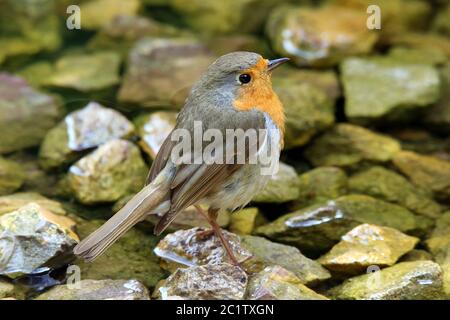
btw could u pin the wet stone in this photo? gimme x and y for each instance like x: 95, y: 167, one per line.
x: 246, y: 220
x: 404, y: 281
x: 209, y: 282
x: 365, y: 246
x: 30, y: 237
x: 277, y: 283
x: 98, y: 290
x: 113, y: 170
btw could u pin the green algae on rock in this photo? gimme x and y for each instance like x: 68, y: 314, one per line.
x: 14, y: 201
x: 321, y: 36
x: 25, y: 114
x: 160, y: 71
x: 98, y: 13
x: 277, y: 283
x: 246, y: 220
x: 153, y: 129
x: 317, y: 228
x: 98, y: 290
x: 347, y: 144
x: 365, y: 246
x: 308, y: 271
x: 12, y: 176
x: 30, y: 237
x: 86, y: 72
x: 404, y: 281
x: 425, y: 171
x: 440, y: 237
x: 212, y: 281
x: 389, y: 186
x: 81, y: 130
x: 282, y: 187
x: 319, y: 185
x: 308, y: 98
x: 113, y: 170
x: 386, y: 89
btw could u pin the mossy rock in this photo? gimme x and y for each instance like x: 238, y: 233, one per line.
x: 12, y: 176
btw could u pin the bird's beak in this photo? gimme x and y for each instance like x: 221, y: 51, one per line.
x: 276, y: 63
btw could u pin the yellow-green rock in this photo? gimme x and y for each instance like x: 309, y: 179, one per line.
x: 98, y: 13
x: 440, y: 237
x: 441, y: 22
x: 246, y: 220
x: 437, y: 117
x: 14, y: 201
x: 416, y: 255
x: 12, y: 176
x: 367, y: 245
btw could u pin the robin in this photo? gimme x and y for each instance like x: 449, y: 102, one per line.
x: 235, y: 92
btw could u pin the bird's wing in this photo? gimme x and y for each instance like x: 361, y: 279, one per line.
x: 192, y: 182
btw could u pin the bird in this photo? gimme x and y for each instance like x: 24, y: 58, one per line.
x: 234, y: 93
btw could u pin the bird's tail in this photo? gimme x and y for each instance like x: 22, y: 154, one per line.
x: 149, y: 198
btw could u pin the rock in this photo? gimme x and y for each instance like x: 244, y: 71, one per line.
x: 277, y: 283
x: 98, y: 290
x: 385, y: 89
x: 12, y: 176
x: 307, y: 271
x: 86, y: 72
x: 98, y: 13
x: 319, y: 37
x: 308, y: 98
x: 113, y: 170
x: 425, y: 171
x: 81, y: 130
x: 14, y: 201
x: 417, y: 280
x: 319, y: 185
x: 422, y: 40
x: 6, y: 289
x: 347, y: 144
x: 153, y: 129
x: 191, y: 248
x: 437, y: 117
x: 160, y: 72
x: 29, y: 28
x: 443, y: 258
x: 317, y: 228
x: 282, y: 187
x: 223, y: 44
x: 36, y: 73
x: 219, y: 17
x: 30, y: 237
x: 130, y: 257
x: 246, y: 220
x: 440, y: 237
x: 25, y: 114
x: 389, y: 186
x: 365, y: 246
x: 428, y: 56
x: 441, y: 22
x: 209, y: 282
x: 416, y: 255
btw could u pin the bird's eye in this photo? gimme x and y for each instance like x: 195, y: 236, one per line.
x: 244, y: 78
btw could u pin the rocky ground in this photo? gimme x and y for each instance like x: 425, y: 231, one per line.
x: 360, y: 208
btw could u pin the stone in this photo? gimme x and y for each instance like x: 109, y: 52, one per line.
x: 437, y: 117
x: 440, y: 237
x: 6, y: 289
x: 385, y: 89
x: 12, y: 176
x: 308, y: 99
x: 86, y: 72
x: 390, y: 186
x: 98, y: 290
x: 190, y: 248
x: 348, y: 144
x: 427, y: 56
x: 319, y: 185
x: 277, y: 283
x: 209, y: 282
x: 160, y: 72
x: 421, y: 40
x: 367, y: 245
x: 319, y: 37
x: 81, y: 130
x: 130, y: 257
x: 153, y: 129
x: 113, y: 170
x: 223, y: 44
x: 416, y: 255
x: 417, y: 280
x: 425, y: 171
x: 443, y: 258
x: 307, y: 271
x: 223, y: 17
x: 441, y: 22
x: 25, y: 114
x: 36, y: 73
x: 246, y: 220
x: 315, y: 229
x: 14, y: 201
x: 30, y: 237
x: 282, y: 186
x: 98, y: 13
